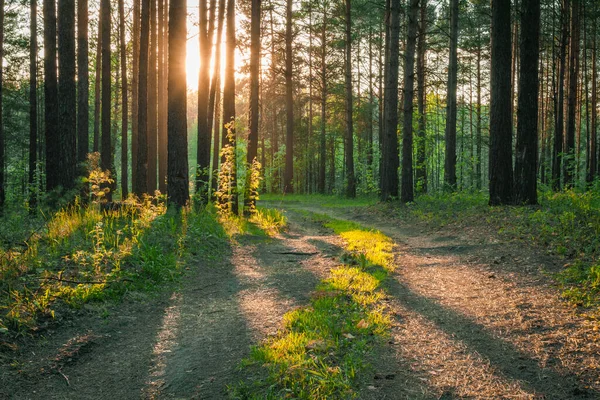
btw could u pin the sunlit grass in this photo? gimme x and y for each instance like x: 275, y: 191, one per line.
x: 322, y: 347
x: 330, y: 201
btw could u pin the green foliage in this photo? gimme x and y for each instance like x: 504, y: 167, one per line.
x: 227, y: 190
x: 253, y: 182
x: 321, y: 349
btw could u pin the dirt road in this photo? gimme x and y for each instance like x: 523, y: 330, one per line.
x: 475, y: 318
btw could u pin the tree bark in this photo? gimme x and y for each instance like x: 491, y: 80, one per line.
x: 255, y: 44
x: 33, y: 127
x: 527, y: 112
x: 501, y: 173
x: 162, y: 97
x: 288, y: 177
x: 141, y: 178
x: 323, y: 135
x: 203, y: 149
x: 125, y: 105
x: 67, y: 91
x: 557, y: 151
x: 450, y: 163
x: 153, y: 101
x: 215, y: 96
x: 389, y: 145
x: 178, y: 180
x: 50, y: 103
x: 421, y: 167
x: 134, y: 91
x: 569, y: 164
x: 407, y: 191
x: 229, y: 96
x: 83, y: 82
x: 98, y: 84
x: 106, y: 147
x: 350, y: 179
x: 593, y: 165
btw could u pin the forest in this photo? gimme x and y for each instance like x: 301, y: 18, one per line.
x: 313, y: 199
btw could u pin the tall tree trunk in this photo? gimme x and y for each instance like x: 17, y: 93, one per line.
x: 98, y: 85
x: 203, y: 149
x: 153, y: 101
x: 229, y: 96
x: 162, y: 97
x: 450, y: 163
x: 288, y: 177
x: 178, y: 180
x: 134, y: 91
x: 2, y: 139
x: 83, y: 82
x: 389, y: 141
x: 323, y: 135
x: 557, y: 151
x: 141, y: 177
x: 593, y: 138
x: 478, y: 128
x: 569, y: 166
x: 52, y: 135
x: 370, y: 122
x: 527, y: 113
x: 350, y: 179
x: 125, y: 105
x: 421, y: 167
x: 249, y: 202
x: 501, y: 173
x: 67, y: 91
x: 407, y: 191
x: 215, y: 95
x: 106, y: 148
x: 33, y: 127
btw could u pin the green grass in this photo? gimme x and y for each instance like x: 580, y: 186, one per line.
x: 83, y: 254
x: 329, y: 201
x: 323, y: 347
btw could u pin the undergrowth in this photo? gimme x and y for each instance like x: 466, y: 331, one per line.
x: 322, y: 347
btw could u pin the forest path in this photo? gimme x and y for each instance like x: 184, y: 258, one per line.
x: 183, y: 344
x: 477, y: 317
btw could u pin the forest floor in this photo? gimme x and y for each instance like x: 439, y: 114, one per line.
x: 475, y: 316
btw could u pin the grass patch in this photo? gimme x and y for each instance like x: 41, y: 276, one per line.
x: 329, y: 201
x: 84, y: 254
x: 322, y: 347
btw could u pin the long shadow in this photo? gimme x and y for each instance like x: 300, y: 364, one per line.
x: 503, y: 355
x: 213, y: 334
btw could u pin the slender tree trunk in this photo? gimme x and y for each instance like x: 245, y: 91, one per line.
x: 125, y: 105
x: 178, y: 180
x: 288, y: 178
x: 527, y: 114
x: 106, y: 148
x: 83, y: 82
x: 370, y: 122
x: 134, y: 92
x: 141, y: 176
x: 592, y: 170
x: 557, y: 151
x: 450, y: 163
x: 350, y: 179
x: 203, y: 149
x: 389, y: 144
x: 162, y: 96
x: 67, y: 91
x: 33, y: 127
x: 407, y: 192
x: 98, y: 84
x: 478, y: 128
x: 569, y: 166
x: 229, y: 96
x: 501, y: 173
x: 421, y: 168
x: 250, y: 203
x: 215, y: 95
x: 153, y: 101
x: 323, y: 136
x: 50, y: 103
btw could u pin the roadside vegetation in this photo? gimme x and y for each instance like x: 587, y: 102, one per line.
x: 565, y: 224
